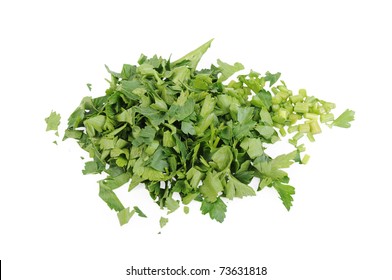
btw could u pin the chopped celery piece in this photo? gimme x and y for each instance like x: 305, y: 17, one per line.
x: 305, y: 159
x: 326, y: 118
x: 311, y: 116
x: 298, y: 136
x: 310, y: 137
x: 296, y: 98
x: 315, y: 127
x: 282, y: 131
x: 293, y: 128
x: 301, y: 107
x: 293, y: 118
x: 305, y: 127
x: 276, y: 99
x: 302, y: 92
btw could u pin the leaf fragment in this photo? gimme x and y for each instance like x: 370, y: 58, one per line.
x: 125, y: 215
x: 163, y: 221
x: 53, y: 121
x: 216, y: 210
x: 345, y: 119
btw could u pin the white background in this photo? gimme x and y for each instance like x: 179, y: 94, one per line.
x: 53, y: 225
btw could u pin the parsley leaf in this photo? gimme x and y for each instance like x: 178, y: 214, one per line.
x: 163, y: 221
x: 125, y: 215
x: 216, y: 210
x: 53, y: 121
x: 285, y: 193
x: 344, y: 119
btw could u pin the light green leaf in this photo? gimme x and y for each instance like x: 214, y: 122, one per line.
x: 253, y: 147
x: 272, y: 78
x: 163, y: 221
x: 265, y: 131
x: 125, y: 215
x: 192, y: 59
x: 188, y: 198
x: 344, y: 119
x: 240, y: 189
x: 53, y: 121
x: 94, y: 124
x: 171, y: 204
x: 285, y: 192
x: 223, y: 157
x: 211, y: 187
x: 228, y: 70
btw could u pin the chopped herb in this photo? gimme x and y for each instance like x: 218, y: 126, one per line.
x: 192, y: 135
x: 53, y: 121
x: 163, y: 221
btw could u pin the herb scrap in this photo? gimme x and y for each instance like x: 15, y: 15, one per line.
x: 189, y: 135
x: 53, y: 121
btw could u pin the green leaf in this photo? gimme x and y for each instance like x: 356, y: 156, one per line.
x: 180, y: 112
x: 171, y: 204
x: 272, y: 78
x: 154, y: 116
x: 245, y: 114
x: 194, y: 176
x: 216, y: 210
x: 163, y: 221
x: 265, y: 97
x: 139, y: 212
x: 223, y: 157
x: 253, y: 147
x: 188, y: 128
x: 202, y: 82
x: 92, y: 167
x: 110, y: 197
x: 228, y: 70
x: 192, y: 58
x: 265, y: 131
x: 114, y: 182
x: 242, y: 130
x: 125, y: 215
x: 237, y: 189
x: 187, y: 199
x: 158, y: 160
x: 211, y: 187
x: 152, y: 174
x: 94, y: 124
x: 273, y: 168
x: 265, y: 117
x: 344, y: 119
x: 127, y: 88
x: 53, y: 121
x: 285, y: 192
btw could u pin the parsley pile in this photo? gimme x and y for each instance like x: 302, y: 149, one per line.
x: 189, y: 135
